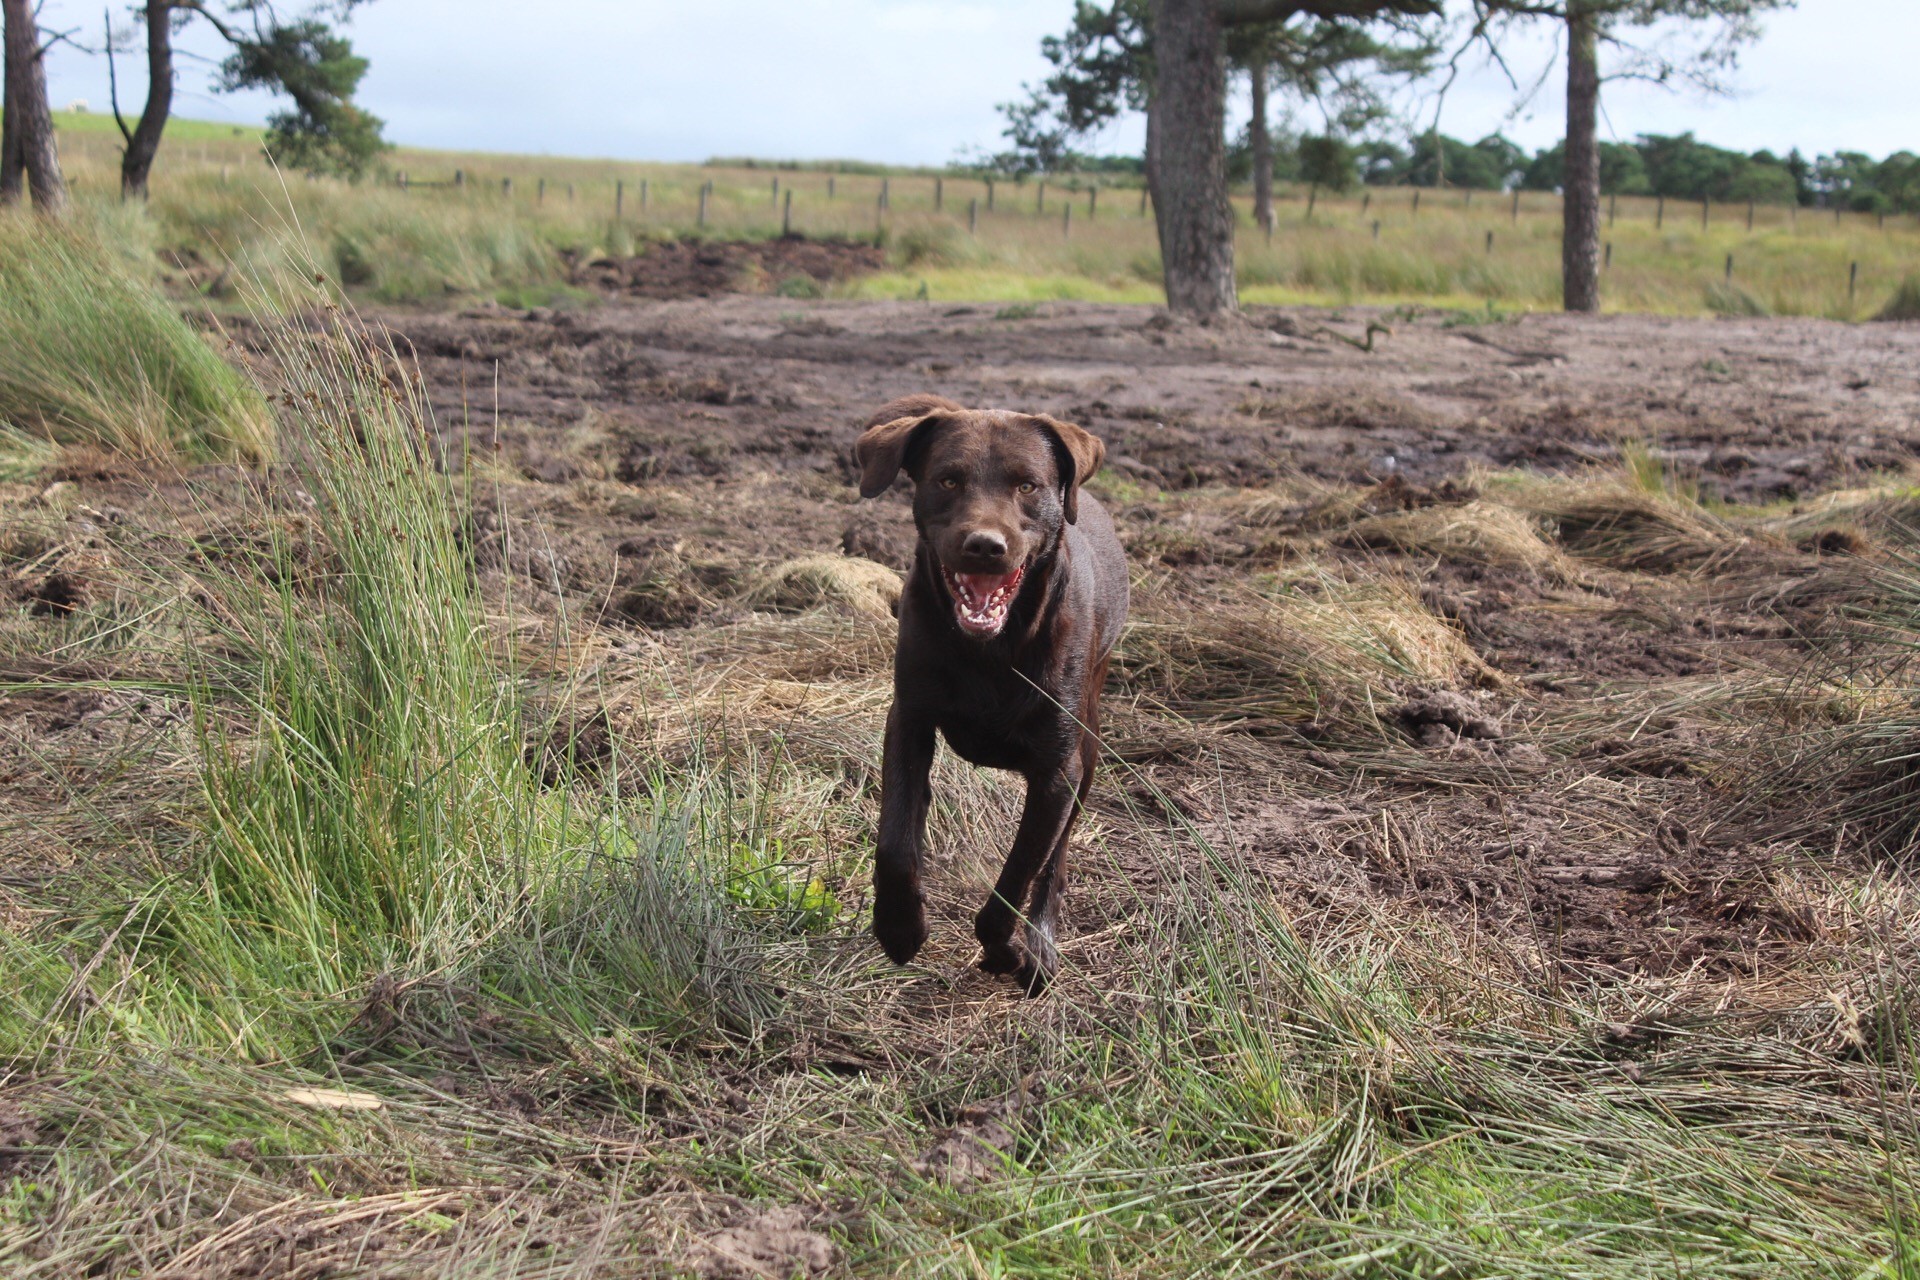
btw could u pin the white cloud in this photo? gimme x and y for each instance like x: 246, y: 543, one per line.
x: 914, y: 80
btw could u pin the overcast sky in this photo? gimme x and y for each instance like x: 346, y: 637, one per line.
x: 916, y: 81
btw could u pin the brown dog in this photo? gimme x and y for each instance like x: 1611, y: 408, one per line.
x: 1017, y: 593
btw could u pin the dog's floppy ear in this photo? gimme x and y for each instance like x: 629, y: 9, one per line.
x: 890, y: 432
x: 1080, y: 454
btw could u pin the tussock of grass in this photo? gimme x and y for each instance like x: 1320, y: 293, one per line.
x: 93, y: 357
x: 1477, y: 532
x: 375, y: 820
x: 1904, y: 305
x: 848, y: 583
x: 1317, y: 651
x: 1725, y: 298
x: 1621, y: 524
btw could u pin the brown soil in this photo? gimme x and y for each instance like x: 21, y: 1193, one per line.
x: 1562, y: 802
x: 703, y: 268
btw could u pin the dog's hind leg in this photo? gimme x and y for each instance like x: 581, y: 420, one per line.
x: 1050, y: 886
x: 899, y: 901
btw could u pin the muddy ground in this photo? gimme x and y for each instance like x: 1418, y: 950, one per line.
x: 1550, y: 791
x: 676, y: 450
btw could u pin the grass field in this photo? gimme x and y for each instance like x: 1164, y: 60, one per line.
x: 1457, y: 249
x: 441, y: 747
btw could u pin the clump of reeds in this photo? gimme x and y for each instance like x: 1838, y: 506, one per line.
x: 1904, y: 305
x: 94, y: 357
x: 1724, y: 298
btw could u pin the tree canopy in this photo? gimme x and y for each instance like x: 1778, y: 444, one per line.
x: 324, y: 132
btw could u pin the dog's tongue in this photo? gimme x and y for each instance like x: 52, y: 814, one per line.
x: 981, y: 600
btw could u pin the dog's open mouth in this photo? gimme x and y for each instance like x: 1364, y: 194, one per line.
x: 981, y: 600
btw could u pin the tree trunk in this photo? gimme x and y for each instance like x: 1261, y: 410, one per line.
x: 29, y: 124
x: 1580, y: 233
x: 143, y: 144
x: 1190, y: 168
x: 1262, y: 144
x: 12, y: 172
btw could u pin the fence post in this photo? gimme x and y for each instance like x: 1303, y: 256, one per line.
x: 1704, y: 206
x: 1143, y: 199
x: 1040, y: 198
x: 540, y: 192
x: 459, y: 177
x: 646, y: 193
x: 1376, y: 228
x: 1853, y: 282
x: 1366, y: 202
x: 786, y: 215
x: 939, y: 194
x: 775, y: 194
x: 1093, y: 205
x: 1466, y: 197
x: 1416, y: 202
x: 829, y: 186
x: 1489, y: 242
x: 1606, y: 263
x: 1750, y: 205
x: 1514, y: 217
x: 989, y: 195
x: 619, y: 196
x: 1659, y: 212
x: 1066, y: 220
x: 1613, y: 207
x: 506, y: 187
x: 886, y: 193
x: 1729, y: 268
x: 1313, y: 198
x: 973, y: 214
x: 569, y: 193
x: 703, y: 205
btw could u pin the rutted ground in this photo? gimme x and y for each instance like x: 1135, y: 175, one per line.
x: 1483, y: 635
x: 1271, y: 476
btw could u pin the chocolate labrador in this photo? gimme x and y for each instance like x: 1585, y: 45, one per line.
x: 1017, y: 593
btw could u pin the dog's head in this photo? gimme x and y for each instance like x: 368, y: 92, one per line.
x: 993, y: 490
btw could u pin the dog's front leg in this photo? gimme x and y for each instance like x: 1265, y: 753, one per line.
x: 1052, y: 798
x: 899, y: 902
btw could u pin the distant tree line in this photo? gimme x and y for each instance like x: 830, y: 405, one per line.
x: 1678, y: 166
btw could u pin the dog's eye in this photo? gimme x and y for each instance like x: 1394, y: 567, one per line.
x: 1027, y: 486
x: 949, y: 482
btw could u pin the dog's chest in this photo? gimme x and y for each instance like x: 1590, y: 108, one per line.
x: 1000, y: 721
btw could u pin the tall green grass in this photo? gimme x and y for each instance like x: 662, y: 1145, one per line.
x: 368, y: 810
x: 94, y: 357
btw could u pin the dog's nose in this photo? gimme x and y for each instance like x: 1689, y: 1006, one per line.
x: 985, y: 545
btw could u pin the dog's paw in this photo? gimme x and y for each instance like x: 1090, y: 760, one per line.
x: 901, y: 929
x: 1001, y: 958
